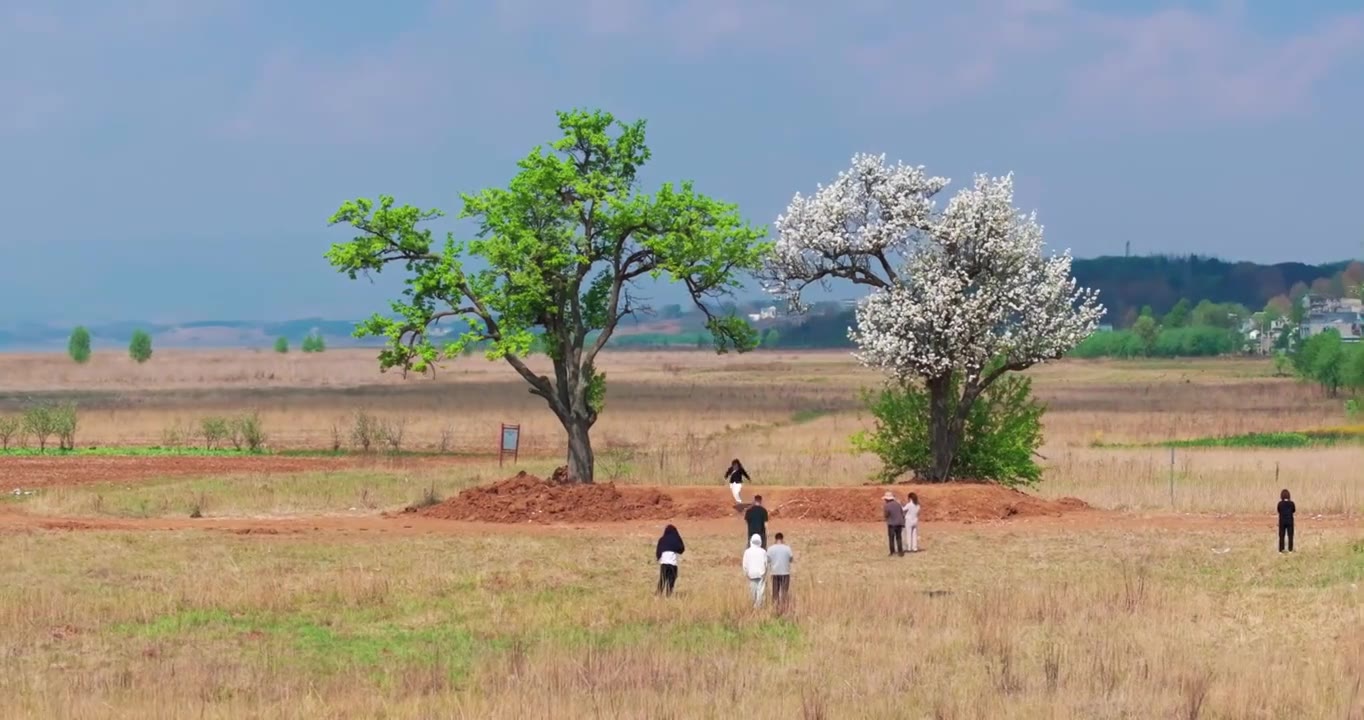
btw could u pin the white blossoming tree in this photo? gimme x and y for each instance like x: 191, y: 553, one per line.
x: 960, y: 296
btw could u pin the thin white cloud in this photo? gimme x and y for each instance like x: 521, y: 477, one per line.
x: 1210, y: 65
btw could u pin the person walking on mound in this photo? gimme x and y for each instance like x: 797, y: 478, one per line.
x: 1286, y: 511
x: 895, y: 524
x: 736, y: 475
x: 667, y: 553
x: 911, y: 509
x: 756, y: 520
x: 755, y: 569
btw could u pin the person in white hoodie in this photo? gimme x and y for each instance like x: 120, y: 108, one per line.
x: 911, y: 509
x: 755, y: 569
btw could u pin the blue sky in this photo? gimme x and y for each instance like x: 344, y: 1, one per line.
x: 177, y: 160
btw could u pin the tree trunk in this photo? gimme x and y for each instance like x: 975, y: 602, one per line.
x: 580, y: 460
x: 946, y: 433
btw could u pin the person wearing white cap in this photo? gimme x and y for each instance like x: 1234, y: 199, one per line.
x: 895, y: 524
x: 755, y: 569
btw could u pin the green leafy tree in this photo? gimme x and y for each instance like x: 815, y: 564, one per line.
x: 1328, y: 366
x: 1147, y: 331
x: 282, y: 345
x: 1352, y: 375
x: 560, y: 251
x: 1322, y: 359
x: 1178, y: 316
x: 771, y: 338
x: 1002, y: 433
x: 78, y: 347
x: 140, y: 347
x: 1282, y: 363
x: 313, y: 343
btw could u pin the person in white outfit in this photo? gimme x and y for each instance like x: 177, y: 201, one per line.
x: 911, y: 509
x: 736, y: 475
x: 755, y: 569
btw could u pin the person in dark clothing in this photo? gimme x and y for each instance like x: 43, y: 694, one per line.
x: 895, y: 524
x: 668, y: 551
x: 736, y: 475
x: 756, y: 519
x: 1286, y: 510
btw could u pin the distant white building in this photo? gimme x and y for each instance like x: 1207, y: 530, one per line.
x: 767, y: 313
x: 1346, y: 316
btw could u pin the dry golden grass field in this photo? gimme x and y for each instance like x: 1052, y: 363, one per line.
x: 300, y: 594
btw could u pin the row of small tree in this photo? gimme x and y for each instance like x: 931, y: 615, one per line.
x: 78, y: 346
x: 41, y: 423
x: 312, y: 343
x: 140, y: 346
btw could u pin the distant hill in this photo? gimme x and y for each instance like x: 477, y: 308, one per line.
x: 197, y: 334
x: 1125, y: 285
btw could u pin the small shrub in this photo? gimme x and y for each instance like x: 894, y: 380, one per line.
x: 313, y: 343
x: 282, y: 345
x: 216, y: 431
x: 247, y: 433
x: 1282, y: 363
x: 140, y: 347
x: 364, y: 431
x: 616, y: 463
x: 429, y: 497
x: 9, y: 431
x: 78, y: 347
x: 391, y: 432
x: 999, y: 442
x: 174, y: 436
x: 64, y: 422
x: 39, y: 423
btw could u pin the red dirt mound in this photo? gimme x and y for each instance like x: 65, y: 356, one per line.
x: 941, y: 503
x: 526, y: 498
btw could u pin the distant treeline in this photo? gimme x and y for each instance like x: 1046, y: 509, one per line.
x: 1128, y: 284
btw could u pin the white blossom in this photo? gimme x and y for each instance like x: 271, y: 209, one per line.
x: 973, y: 285
x: 856, y: 229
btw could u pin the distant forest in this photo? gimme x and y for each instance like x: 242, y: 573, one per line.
x: 1129, y: 285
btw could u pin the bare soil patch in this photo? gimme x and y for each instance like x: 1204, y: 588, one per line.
x: 28, y: 472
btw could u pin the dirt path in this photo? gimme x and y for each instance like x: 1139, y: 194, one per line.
x: 31, y: 472
x: 12, y: 520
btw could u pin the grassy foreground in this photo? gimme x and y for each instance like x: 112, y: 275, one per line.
x: 1026, y: 622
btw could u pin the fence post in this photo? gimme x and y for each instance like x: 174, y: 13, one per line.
x: 1172, y: 478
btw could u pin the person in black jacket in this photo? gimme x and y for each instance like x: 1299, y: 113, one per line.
x: 668, y: 551
x: 736, y: 475
x: 1286, y: 510
x: 756, y: 521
